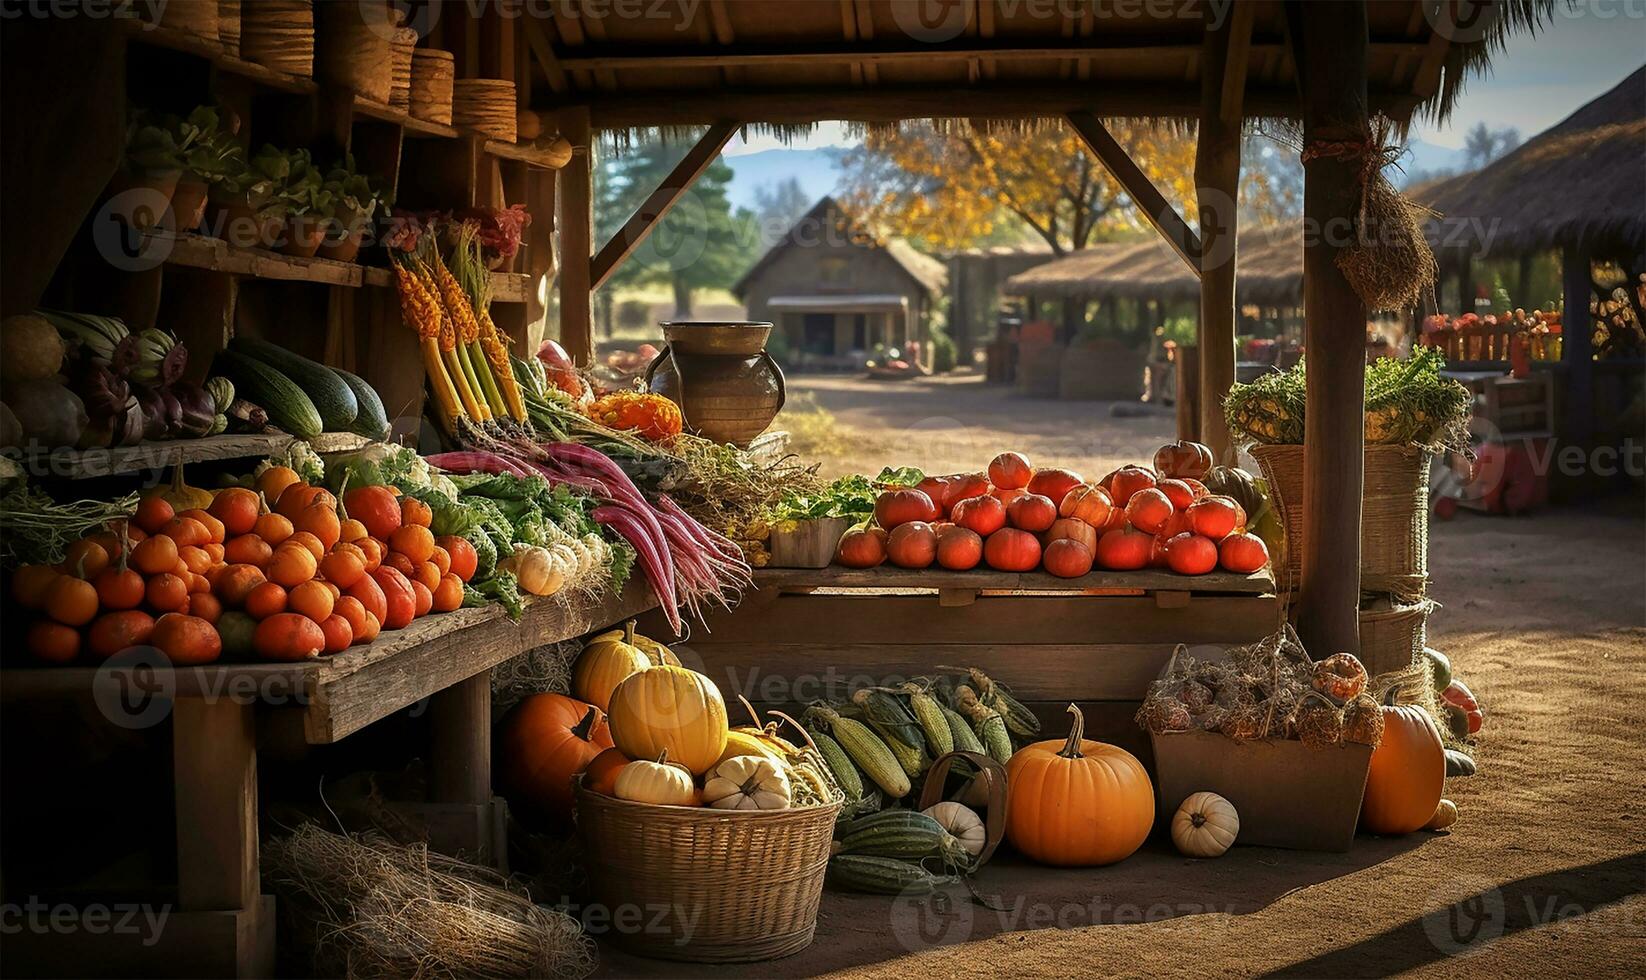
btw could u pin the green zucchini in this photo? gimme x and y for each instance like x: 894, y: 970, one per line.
x: 286, y: 404
x: 330, y: 395
x: 882, y: 875
x: 373, y: 421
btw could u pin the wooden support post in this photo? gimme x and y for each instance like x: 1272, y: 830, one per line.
x: 1217, y: 183
x: 460, y: 751
x: 1142, y: 191
x: 1465, y: 285
x: 1188, y: 393
x: 1576, y: 347
x: 661, y: 201
x: 576, y: 221
x: 1330, y: 50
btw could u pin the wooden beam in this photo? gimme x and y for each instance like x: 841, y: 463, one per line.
x: 1333, y: 77
x: 1217, y: 183
x: 1238, y: 29
x: 1108, y: 49
x: 1576, y: 352
x: 214, y: 762
x: 1427, y: 79
x: 576, y: 221
x: 460, y: 757
x: 544, y: 52
x: 1137, y: 185
x: 661, y: 201
x: 683, y: 107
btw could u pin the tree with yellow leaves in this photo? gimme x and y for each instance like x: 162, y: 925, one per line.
x: 956, y: 188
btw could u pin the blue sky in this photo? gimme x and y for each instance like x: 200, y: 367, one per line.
x: 1532, y: 85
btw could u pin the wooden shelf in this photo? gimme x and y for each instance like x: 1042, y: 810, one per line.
x: 145, y: 456
x: 174, y: 40
x: 399, y: 117
x: 528, y: 153
x: 341, y: 694
x: 982, y: 579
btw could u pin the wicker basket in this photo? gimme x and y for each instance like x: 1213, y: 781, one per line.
x: 485, y: 105
x: 1394, y: 516
x: 711, y: 886
x: 400, y: 67
x: 1393, y: 632
x: 228, y: 26
x: 430, y: 95
x: 279, y: 34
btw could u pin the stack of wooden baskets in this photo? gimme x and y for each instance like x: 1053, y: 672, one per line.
x: 228, y: 26
x: 400, y: 67
x: 730, y: 886
x: 279, y: 34
x: 430, y: 93
x: 1394, y: 546
x: 485, y: 105
x: 354, y: 48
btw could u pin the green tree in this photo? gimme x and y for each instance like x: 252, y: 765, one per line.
x: 700, y: 244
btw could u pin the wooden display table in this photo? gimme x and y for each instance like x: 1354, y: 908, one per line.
x: 222, y: 925
x: 805, y: 634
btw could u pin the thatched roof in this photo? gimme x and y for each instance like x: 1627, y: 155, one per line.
x: 826, y: 223
x: 1268, y: 270
x: 1582, y: 182
x: 784, y: 66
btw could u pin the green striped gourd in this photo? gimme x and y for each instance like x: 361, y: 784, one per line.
x: 904, y: 834
x: 882, y: 875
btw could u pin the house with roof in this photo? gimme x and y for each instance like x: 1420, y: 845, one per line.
x: 837, y: 296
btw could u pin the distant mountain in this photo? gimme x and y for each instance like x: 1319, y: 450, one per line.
x: 815, y: 169
x: 1425, y: 161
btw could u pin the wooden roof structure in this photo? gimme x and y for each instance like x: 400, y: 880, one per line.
x: 1268, y: 271
x: 926, y: 272
x: 1582, y: 182
x: 790, y: 64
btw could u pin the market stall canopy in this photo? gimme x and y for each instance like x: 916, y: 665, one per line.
x: 1581, y: 183
x: 799, y: 62
x: 1268, y: 271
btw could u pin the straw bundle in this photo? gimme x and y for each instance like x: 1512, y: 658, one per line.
x: 279, y: 34
x: 366, y: 907
x: 430, y: 93
x: 400, y: 67
x: 228, y: 26
x: 538, y: 670
x: 354, y: 50
x: 485, y: 105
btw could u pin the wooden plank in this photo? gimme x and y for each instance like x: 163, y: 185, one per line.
x: 214, y: 761
x: 1334, y: 87
x: 659, y: 203
x: 460, y: 760
x: 1217, y: 178
x: 1577, y: 347
x: 183, y: 944
x: 576, y: 224
x: 887, y: 577
x: 1024, y: 620
x: 544, y: 155
x: 152, y: 457
x: 802, y: 672
x: 411, y: 124
x: 544, y: 52
x: 143, y: 32
x: 1231, y: 110
x: 203, y: 252
x: 1148, y: 199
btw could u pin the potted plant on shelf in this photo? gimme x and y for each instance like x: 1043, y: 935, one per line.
x: 308, y: 205
x: 353, y: 202
x: 141, y: 190
x: 247, y: 198
x: 208, y: 152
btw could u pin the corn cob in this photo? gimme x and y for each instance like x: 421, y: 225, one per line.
x: 1019, y: 719
x: 965, y: 740
x: 866, y: 749
x: 497, y: 356
x: 929, y: 714
x: 467, y: 328
x: 890, y: 715
x: 913, y: 761
x: 840, y: 765
x: 421, y: 314
x: 990, y: 727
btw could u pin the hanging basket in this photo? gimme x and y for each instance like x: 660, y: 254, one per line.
x: 713, y: 886
x: 1393, y: 632
x: 1394, y: 516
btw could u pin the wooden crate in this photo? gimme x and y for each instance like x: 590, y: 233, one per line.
x: 1099, y: 640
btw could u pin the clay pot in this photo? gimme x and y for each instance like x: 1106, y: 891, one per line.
x: 728, y: 388
x: 141, y: 201
x: 188, y: 204
x: 236, y: 223
x: 342, y: 249
x: 304, y: 234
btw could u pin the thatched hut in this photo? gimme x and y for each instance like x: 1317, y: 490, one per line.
x: 1268, y: 272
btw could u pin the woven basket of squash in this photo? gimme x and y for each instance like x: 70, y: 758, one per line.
x: 717, y: 836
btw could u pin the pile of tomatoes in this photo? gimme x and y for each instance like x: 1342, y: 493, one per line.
x: 1015, y: 518
x: 281, y: 572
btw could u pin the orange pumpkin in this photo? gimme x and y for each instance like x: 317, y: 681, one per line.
x: 321, y: 521
x: 186, y: 640
x: 374, y: 507
x: 543, y: 742
x: 1407, y: 774
x: 400, y: 601
x: 274, y: 481
x: 288, y: 636
x: 1078, y: 803
x: 601, y: 775
x: 1073, y: 529
x: 415, y: 512
x: 237, y: 508
x: 1087, y: 503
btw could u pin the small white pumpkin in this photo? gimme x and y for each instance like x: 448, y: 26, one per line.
x: 662, y: 782
x: 747, y: 782
x: 1445, y: 816
x: 1205, y: 825
x: 535, y: 569
x: 961, y: 821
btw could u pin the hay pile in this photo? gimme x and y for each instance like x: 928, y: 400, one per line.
x: 538, y: 670
x: 365, y: 907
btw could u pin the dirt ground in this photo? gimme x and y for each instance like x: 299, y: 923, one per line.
x: 1544, y: 874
